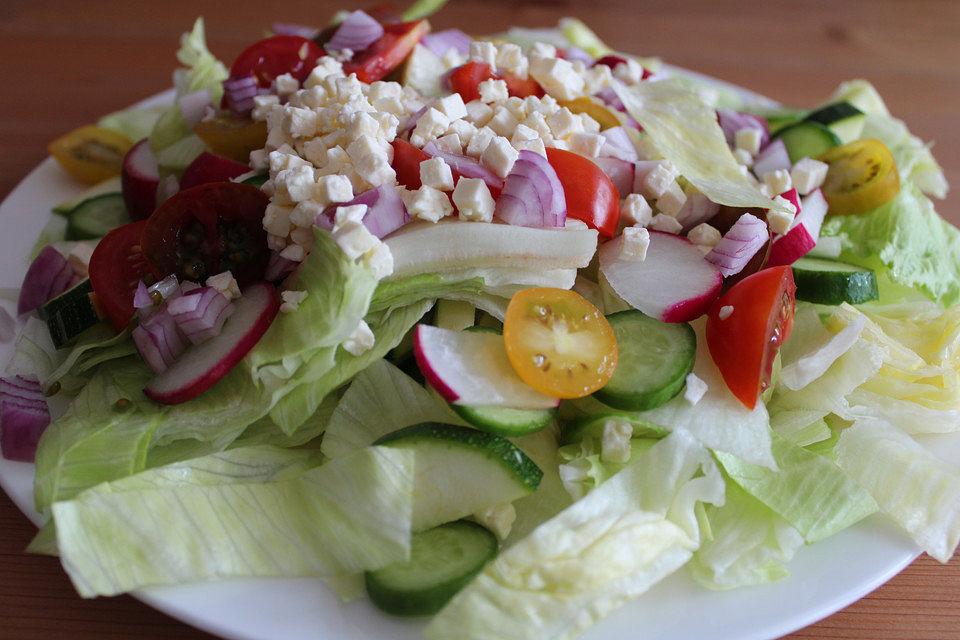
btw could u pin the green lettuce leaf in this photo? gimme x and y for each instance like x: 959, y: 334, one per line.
x: 559, y: 579
x: 905, y: 240
x: 684, y: 129
x: 349, y: 515
x: 135, y: 123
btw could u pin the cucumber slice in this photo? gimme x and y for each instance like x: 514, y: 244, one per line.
x: 505, y: 421
x: 110, y: 185
x: 95, y: 217
x: 831, y: 282
x: 592, y: 426
x: 256, y: 180
x: 442, y: 561
x: 842, y: 118
x: 70, y: 314
x: 460, y: 471
x: 807, y: 139
x: 655, y: 358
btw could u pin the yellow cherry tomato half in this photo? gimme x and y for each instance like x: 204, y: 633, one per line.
x: 232, y: 136
x: 594, y: 109
x: 862, y: 176
x: 91, y: 153
x: 558, y: 342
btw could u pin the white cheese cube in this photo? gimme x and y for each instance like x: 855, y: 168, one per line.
x: 449, y: 143
x: 786, y: 204
x: 263, y: 105
x: 630, y: 72
x: 523, y: 133
x: 779, y: 221
x: 748, y: 139
x: 663, y: 222
x: 431, y: 124
x: 510, y: 59
x: 473, y: 200
x: 542, y: 50
x: 564, y: 123
x: 354, y: 239
x: 275, y: 242
x: 276, y: 219
x: 361, y: 124
x: 225, y: 284
x: 704, y: 235
x: 743, y: 157
x: 517, y: 106
x: 808, y: 174
x: 333, y: 188
x: 636, y: 210
x: 464, y: 130
x: 381, y: 260
x: 478, y: 113
x: 671, y: 200
x: 695, y: 389
x: 291, y: 299
x: 365, y: 145
x: 499, y: 156
x: 375, y: 170
x: 389, y: 105
x: 536, y: 146
x: 481, y: 138
x: 427, y: 203
x: 302, y: 236
x: 493, y: 90
x: 653, y: 177
x: 557, y: 77
x: 350, y: 214
x: 597, y: 78
x: 259, y: 160
x: 452, y: 106
x: 634, y: 244
x: 295, y: 184
x: 437, y: 174
x: 361, y: 340
x: 615, y: 442
x: 589, y: 124
x: 778, y: 181
x: 305, y: 213
x: 483, y: 51
x: 294, y: 253
x: 286, y: 84
x: 587, y: 144
x: 503, y: 121
x: 299, y: 123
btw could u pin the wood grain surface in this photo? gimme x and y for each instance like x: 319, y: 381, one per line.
x: 66, y: 63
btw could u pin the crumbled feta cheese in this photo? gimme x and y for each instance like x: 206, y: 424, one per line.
x: 704, y: 235
x: 286, y: 84
x: 779, y: 221
x: 294, y: 253
x: 473, y: 200
x: 381, y: 260
x: 523, y: 133
x: 577, y: 225
x: 350, y: 214
x: 695, y: 389
x: 427, y: 203
x: 778, y: 181
x: 671, y: 200
x: 375, y: 170
x: 808, y: 174
x: 634, y: 244
x: 725, y: 312
x: 276, y: 219
x: 295, y: 184
x: 450, y: 143
x: 542, y: 50
x: 361, y: 340
x: 653, y: 177
x: 354, y: 239
x: 564, y: 123
x: 615, y: 442
x: 587, y: 144
x: 431, y: 124
x: 536, y: 146
x: 743, y: 157
x: 630, y: 72
x: 481, y: 138
x: 663, y: 222
x: 557, y: 77
x: 225, y: 284
x: 291, y: 300
x: 498, y: 518
x: 503, y: 121
x: 436, y: 173
x: 510, y: 59
x: 464, y: 130
x: 452, y: 106
x: 748, y: 139
x: 493, y: 90
x: 302, y: 236
x: 333, y: 188
x: 299, y: 123
x: 263, y: 105
x: 636, y: 210
x: 305, y: 213
x: 483, y: 51
x: 499, y: 156
x: 786, y: 204
x: 478, y: 112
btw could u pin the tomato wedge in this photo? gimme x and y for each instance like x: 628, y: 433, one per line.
x: 209, y: 229
x: 862, y: 176
x: 386, y: 53
x: 271, y: 57
x: 558, y: 342
x: 231, y: 135
x: 745, y: 328
x: 116, y: 266
x: 406, y: 162
x: 466, y: 80
x: 590, y: 194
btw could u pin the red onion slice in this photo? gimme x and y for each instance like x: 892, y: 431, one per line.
x: 23, y: 417
x: 201, y: 313
x: 158, y: 340
x: 385, y: 211
x: 442, y: 41
x: 532, y: 194
x: 747, y: 236
x: 466, y: 166
x: 291, y: 29
x: 732, y: 121
x: 617, y: 144
x: 574, y: 53
x: 772, y: 157
x: 48, y: 276
x: 279, y: 267
x: 238, y: 94
x: 357, y: 32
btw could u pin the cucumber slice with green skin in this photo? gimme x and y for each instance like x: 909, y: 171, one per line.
x: 256, y: 180
x: 110, y: 185
x: 593, y: 425
x: 70, y: 314
x: 842, y: 118
x: 459, y: 471
x: 442, y: 561
x: 832, y: 282
x: 95, y: 217
x: 505, y: 421
x: 807, y: 139
x: 655, y: 358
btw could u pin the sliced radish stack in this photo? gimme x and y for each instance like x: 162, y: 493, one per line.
x: 472, y: 369
x: 139, y: 179
x: 803, y: 233
x: 693, y: 282
x: 202, y: 365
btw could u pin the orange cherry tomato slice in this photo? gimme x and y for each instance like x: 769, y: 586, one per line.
x: 91, y: 153
x: 558, y: 342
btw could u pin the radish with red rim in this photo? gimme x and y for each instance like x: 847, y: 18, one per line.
x: 139, y: 179
x: 803, y: 233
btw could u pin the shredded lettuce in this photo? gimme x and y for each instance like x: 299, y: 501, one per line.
x: 135, y: 123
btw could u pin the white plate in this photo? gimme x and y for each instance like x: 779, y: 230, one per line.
x: 825, y: 577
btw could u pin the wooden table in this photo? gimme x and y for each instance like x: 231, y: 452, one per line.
x: 68, y: 62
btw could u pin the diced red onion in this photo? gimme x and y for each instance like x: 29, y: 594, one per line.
x: 188, y: 285
x: 620, y: 173
x: 734, y: 250
x: 193, y: 106
x: 8, y: 326
x: 465, y: 165
x: 385, y: 211
x: 617, y: 144
x: 200, y: 314
x: 532, y: 194
x: 141, y: 298
x: 291, y: 29
x: 357, y: 32
x: 732, y: 121
x: 610, y: 98
x: 771, y: 157
x: 442, y: 41
x: 238, y: 93
x: 23, y: 417
x: 696, y: 208
x: 574, y: 53
x: 48, y: 276
x: 158, y: 340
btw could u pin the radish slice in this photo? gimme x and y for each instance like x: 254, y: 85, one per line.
x: 139, y: 179
x: 740, y: 243
x: 772, y: 157
x: 620, y: 173
x: 208, y: 167
x: 532, y: 194
x: 803, y: 233
x: 472, y: 369
x: 49, y: 275
x: 23, y: 415
x: 357, y: 32
x: 202, y: 365
x: 694, y: 282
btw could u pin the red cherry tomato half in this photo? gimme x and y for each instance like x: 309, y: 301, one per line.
x: 590, y: 194
x: 209, y: 229
x: 466, y: 81
x: 386, y: 53
x: 745, y: 328
x: 271, y: 57
x: 116, y: 266
x: 406, y: 162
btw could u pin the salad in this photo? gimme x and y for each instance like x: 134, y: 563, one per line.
x: 496, y: 331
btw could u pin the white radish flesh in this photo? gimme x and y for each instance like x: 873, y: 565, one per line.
x: 139, y: 179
